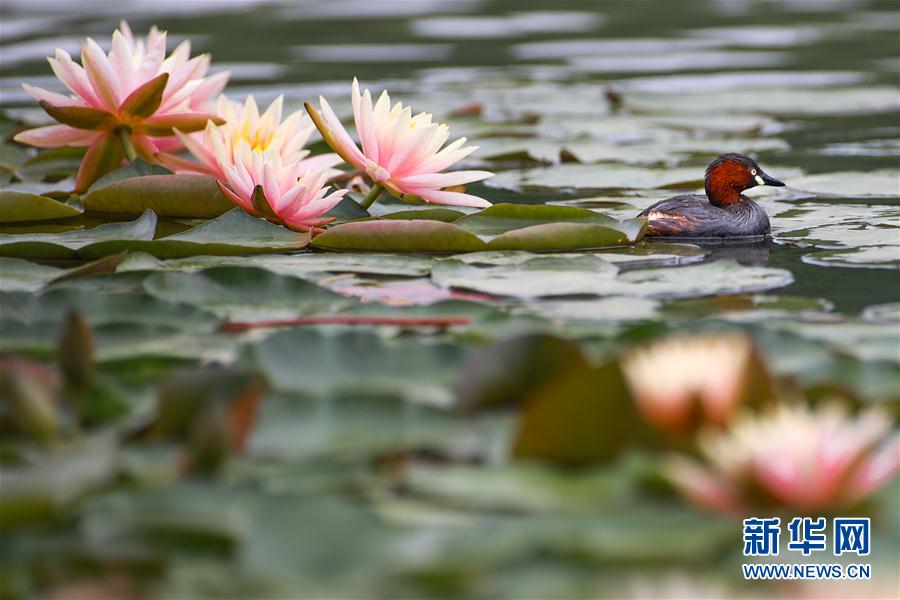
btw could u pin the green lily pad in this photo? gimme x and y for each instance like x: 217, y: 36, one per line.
x: 585, y: 415
x: 884, y: 183
x: 17, y: 207
x: 234, y: 233
x: 17, y: 275
x: 592, y: 275
x: 868, y: 257
x: 500, y: 227
x: 69, y: 243
x: 244, y: 292
x: 501, y: 218
x: 319, y: 363
x: 409, y: 265
x: 45, y: 311
x: 183, y: 195
x: 537, y: 277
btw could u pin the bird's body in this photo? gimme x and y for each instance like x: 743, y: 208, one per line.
x: 722, y: 212
x: 693, y: 215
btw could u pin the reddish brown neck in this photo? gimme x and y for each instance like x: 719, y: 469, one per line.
x: 725, y: 183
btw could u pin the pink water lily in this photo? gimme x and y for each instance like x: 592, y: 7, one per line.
x: 125, y: 103
x: 680, y: 383
x: 265, y: 133
x: 286, y: 193
x: 400, y: 152
x: 802, y: 458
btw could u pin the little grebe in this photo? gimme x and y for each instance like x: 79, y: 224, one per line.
x: 723, y: 211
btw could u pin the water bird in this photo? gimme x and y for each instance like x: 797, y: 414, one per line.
x: 723, y: 211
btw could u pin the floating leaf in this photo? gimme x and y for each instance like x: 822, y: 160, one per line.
x: 501, y: 218
x: 69, y: 243
x: 508, y: 371
x: 244, y: 292
x: 583, y: 416
x: 590, y: 274
x: 535, y: 228
x: 537, y: 277
x: 399, y: 236
x: 361, y: 362
x: 847, y: 184
x: 17, y: 275
x: 17, y: 207
x: 183, y: 195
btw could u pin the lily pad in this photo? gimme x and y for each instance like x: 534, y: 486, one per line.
x: 884, y: 183
x: 69, y: 243
x: 17, y: 207
x: 315, y: 362
x: 591, y: 275
x: 542, y: 276
x: 500, y: 227
x: 244, y: 292
x: 501, y: 218
x: 234, y: 233
x: 183, y: 195
x: 870, y: 257
x: 17, y: 275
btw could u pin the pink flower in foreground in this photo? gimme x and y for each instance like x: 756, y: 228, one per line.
x: 682, y: 382
x: 797, y: 457
x: 400, y: 152
x: 265, y: 133
x: 259, y: 163
x: 124, y: 103
x: 286, y: 193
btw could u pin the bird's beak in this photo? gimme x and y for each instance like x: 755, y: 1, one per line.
x: 763, y: 179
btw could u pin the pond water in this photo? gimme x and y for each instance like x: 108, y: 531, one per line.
x: 809, y: 88
x: 609, y: 106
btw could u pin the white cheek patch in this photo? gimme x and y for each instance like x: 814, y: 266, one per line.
x: 759, y: 180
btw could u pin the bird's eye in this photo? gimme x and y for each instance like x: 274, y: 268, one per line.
x: 753, y: 171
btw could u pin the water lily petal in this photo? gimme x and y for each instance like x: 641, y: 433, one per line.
x: 54, y: 136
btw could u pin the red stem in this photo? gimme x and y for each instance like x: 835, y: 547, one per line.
x: 347, y: 320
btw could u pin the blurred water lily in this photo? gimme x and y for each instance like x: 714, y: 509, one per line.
x: 682, y: 382
x: 798, y: 457
x: 126, y: 103
x: 215, y: 148
x: 400, y: 152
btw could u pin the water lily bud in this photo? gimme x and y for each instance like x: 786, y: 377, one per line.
x: 76, y: 350
x: 210, y: 441
x: 31, y: 390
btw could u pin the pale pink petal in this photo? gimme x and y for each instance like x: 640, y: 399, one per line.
x: 346, y: 147
x: 54, y: 136
x: 74, y: 78
x: 101, y: 75
x: 366, y: 128
x: 443, y: 180
x: 53, y: 98
x: 700, y: 486
x: 452, y: 198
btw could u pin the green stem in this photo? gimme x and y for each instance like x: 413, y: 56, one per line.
x: 372, y: 196
x: 125, y: 138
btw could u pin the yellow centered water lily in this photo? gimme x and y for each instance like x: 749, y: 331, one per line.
x: 260, y: 163
x: 125, y: 103
x: 400, y: 152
